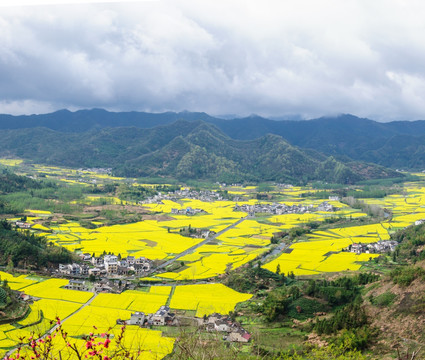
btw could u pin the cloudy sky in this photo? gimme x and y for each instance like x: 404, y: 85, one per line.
x: 273, y: 58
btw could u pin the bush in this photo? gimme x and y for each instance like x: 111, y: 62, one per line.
x: 404, y: 276
x: 385, y: 299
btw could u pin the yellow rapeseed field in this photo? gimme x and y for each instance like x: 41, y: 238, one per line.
x: 206, y: 299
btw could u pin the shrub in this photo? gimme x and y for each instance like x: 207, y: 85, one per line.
x: 404, y: 276
x: 385, y: 299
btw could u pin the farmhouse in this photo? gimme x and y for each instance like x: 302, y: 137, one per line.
x: 239, y: 336
x: 77, y: 285
x: 137, y: 318
x: 222, y: 323
x: 161, y: 317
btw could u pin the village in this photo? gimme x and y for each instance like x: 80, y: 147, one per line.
x: 215, y: 323
x: 185, y: 193
x: 280, y: 208
x: 379, y: 247
x: 106, y: 265
x: 223, y: 324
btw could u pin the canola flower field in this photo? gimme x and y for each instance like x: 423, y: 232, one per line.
x: 161, y: 240
x: 318, y: 252
x: 79, y: 319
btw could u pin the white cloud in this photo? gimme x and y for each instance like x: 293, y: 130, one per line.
x: 271, y: 57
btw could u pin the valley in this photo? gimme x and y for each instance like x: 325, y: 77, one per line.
x: 205, y: 241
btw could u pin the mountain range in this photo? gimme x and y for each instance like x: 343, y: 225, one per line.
x: 197, y: 145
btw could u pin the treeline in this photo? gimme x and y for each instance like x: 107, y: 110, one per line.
x: 138, y: 193
x: 340, y: 291
x: 362, y: 192
x: 371, y: 210
x: 10, y: 182
x: 27, y: 250
x: 55, y: 200
x: 18, y: 193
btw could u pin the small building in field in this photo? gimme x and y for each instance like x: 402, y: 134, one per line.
x: 239, y: 336
x: 76, y: 285
x: 137, y: 318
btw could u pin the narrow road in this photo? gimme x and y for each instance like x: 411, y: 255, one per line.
x: 49, y: 332
x: 75, y: 312
x: 277, y: 250
x: 194, y: 247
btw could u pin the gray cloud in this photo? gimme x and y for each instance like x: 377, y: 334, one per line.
x: 271, y: 57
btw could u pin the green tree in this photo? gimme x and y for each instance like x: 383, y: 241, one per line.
x: 9, y: 267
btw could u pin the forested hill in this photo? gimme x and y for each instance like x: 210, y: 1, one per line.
x: 184, y: 150
x: 398, y: 144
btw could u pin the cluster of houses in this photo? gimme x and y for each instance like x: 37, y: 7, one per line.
x: 185, y: 193
x: 162, y: 317
x: 285, y: 186
x: 187, y: 211
x: 102, y: 286
x: 198, y: 233
x: 325, y: 206
x: 379, y: 247
x: 107, y: 265
x: 232, y: 330
x: 23, y: 225
x: 280, y: 209
x: 420, y: 222
x: 96, y: 170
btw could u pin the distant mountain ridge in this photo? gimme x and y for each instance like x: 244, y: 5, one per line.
x: 398, y: 144
x: 184, y: 150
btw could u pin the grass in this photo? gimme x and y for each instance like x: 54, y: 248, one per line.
x: 276, y: 338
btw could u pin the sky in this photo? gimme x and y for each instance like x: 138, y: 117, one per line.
x: 275, y: 58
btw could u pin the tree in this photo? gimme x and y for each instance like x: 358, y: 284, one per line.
x: 9, y: 267
x: 278, y: 269
x: 275, y: 304
x: 228, y: 268
x: 274, y: 240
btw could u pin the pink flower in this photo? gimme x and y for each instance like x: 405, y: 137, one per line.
x: 89, y: 345
x: 106, y: 343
